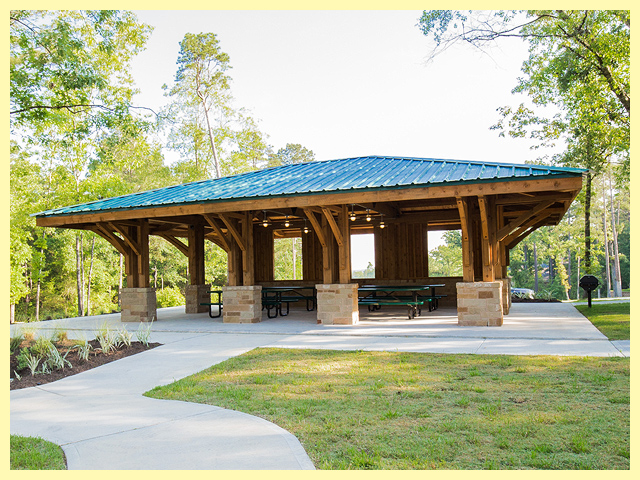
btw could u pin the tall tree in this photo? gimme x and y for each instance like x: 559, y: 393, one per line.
x: 203, y: 93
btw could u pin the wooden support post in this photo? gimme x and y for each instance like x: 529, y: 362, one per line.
x: 467, y: 244
x: 486, y: 221
x: 344, y: 247
x: 196, y: 254
x: 234, y: 265
x: 327, y: 247
x: 248, y: 253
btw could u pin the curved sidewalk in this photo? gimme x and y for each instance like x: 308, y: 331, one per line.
x: 102, y: 421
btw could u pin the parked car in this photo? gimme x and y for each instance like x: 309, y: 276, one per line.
x: 522, y: 293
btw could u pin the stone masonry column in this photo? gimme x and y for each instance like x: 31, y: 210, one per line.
x: 194, y: 296
x: 138, y: 305
x: 338, y: 304
x: 242, y: 304
x: 480, y: 303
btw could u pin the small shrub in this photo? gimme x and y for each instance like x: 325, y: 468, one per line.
x: 84, y: 350
x: 106, y: 338
x: 41, y: 347
x: 27, y: 360
x: 169, y: 297
x: 124, y: 337
x: 15, y: 342
x: 55, y: 361
x: 143, y: 333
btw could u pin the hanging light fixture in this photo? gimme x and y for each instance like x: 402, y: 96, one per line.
x: 265, y: 219
x: 382, y: 225
x: 305, y: 229
x: 368, y: 217
x: 352, y: 215
x: 286, y: 221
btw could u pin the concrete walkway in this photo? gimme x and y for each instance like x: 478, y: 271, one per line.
x: 102, y: 421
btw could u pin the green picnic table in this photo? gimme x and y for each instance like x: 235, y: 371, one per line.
x: 376, y: 296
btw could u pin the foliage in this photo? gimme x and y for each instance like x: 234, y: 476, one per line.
x: 71, y: 62
x: 446, y: 260
x: 290, y: 154
x: 287, y: 258
x: 169, y: 297
x: 143, y: 334
x: 34, y: 453
x: 390, y: 410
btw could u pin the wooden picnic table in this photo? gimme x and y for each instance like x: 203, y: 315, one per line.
x: 296, y: 293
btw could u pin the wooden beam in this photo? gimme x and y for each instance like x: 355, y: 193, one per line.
x: 569, y: 184
x: 184, y: 249
x: 234, y: 232
x: 344, y: 246
x: 131, y: 243
x: 488, y: 274
x: 248, y: 254
x: 214, y: 225
x: 334, y: 226
x: 467, y: 247
x: 117, y: 242
x: 196, y: 254
x: 316, y: 226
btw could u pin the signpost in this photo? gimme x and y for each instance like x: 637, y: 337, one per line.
x: 589, y: 283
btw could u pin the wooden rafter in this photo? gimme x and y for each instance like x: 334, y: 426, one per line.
x: 131, y: 243
x: 234, y: 232
x: 117, y: 242
x: 184, y: 249
x: 334, y: 226
x: 513, y: 224
x: 316, y: 226
x: 214, y: 225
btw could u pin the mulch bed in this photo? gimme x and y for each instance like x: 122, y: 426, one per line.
x: 78, y: 365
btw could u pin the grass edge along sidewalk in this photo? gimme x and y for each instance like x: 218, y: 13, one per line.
x: 612, y: 319
x: 390, y: 410
x: 34, y: 453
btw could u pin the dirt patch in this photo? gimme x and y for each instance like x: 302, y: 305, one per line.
x: 78, y: 365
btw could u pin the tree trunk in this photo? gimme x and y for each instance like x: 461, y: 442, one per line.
x: 39, y: 281
x: 569, y: 273
x: 587, y: 224
x: 617, y: 282
x: 578, y: 279
x: 79, y: 275
x: 606, y: 239
x: 535, y: 268
x: 12, y: 313
x: 93, y: 241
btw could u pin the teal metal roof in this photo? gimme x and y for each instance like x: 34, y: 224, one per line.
x: 328, y: 176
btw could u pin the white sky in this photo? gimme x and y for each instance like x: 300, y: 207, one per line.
x: 349, y: 83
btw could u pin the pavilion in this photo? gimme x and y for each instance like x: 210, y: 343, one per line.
x: 495, y: 205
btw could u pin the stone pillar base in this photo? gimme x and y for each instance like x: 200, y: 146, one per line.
x: 194, y: 296
x: 480, y: 304
x: 138, y: 305
x: 242, y: 304
x: 338, y: 304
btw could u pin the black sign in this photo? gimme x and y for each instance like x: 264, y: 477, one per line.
x: 589, y: 283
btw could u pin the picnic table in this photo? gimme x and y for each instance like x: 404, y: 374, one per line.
x: 218, y: 303
x: 411, y: 296
x: 274, y: 297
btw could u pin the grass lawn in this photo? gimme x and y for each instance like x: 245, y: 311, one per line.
x: 29, y: 453
x: 612, y: 319
x: 390, y: 410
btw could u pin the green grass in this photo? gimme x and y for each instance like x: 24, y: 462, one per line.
x: 612, y: 319
x: 29, y: 453
x: 381, y: 410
